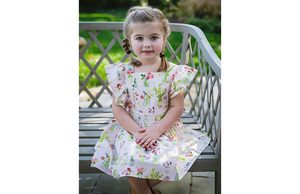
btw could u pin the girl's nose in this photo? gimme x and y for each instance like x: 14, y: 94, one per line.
x: 147, y: 43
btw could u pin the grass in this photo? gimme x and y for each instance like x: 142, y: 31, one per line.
x: 93, y: 54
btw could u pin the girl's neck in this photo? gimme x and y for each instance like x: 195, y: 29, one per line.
x: 149, y: 66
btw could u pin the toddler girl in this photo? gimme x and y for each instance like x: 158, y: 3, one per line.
x: 147, y: 141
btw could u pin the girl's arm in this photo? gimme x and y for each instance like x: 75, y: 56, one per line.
x: 174, y: 113
x: 125, y: 119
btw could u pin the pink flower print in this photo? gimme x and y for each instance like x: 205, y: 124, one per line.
x: 94, y: 160
x: 189, y: 71
x: 140, y: 170
x: 149, y: 75
x: 129, y: 72
x: 142, y: 97
x: 102, y: 157
x: 173, y: 77
x: 167, y: 178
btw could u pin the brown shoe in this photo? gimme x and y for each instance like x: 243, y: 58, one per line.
x: 154, y: 191
x: 132, y: 191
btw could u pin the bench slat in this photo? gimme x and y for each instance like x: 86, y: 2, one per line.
x: 110, y: 115
x: 97, y: 134
x: 96, y: 115
x: 89, y: 151
x: 107, y: 120
x: 90, y: 134
x: 96, y: 127
x: 96, y: 110
x: 205, y: 163
x: 101, y: 127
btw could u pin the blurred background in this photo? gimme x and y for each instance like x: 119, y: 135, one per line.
x: 205, y: 14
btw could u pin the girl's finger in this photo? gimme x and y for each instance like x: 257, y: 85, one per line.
x: 146, y: 143
x: 151, y: 145
x: 140, y: 138
x: 142, y: 141
x: 142, y: 130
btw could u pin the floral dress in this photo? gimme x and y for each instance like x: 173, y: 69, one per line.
x: 146, y: 97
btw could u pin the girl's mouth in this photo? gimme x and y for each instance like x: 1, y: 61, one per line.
x: 147, y: 52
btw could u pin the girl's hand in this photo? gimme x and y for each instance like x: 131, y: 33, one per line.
x: 150, y: 146
x: 148, y: 138
x: 138, y: 134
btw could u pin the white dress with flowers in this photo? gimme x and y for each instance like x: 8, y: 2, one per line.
x: 146, y: 98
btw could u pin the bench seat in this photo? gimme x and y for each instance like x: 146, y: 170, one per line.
x: 92, y: 121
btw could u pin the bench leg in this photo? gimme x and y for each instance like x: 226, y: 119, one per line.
x: 217, y: 182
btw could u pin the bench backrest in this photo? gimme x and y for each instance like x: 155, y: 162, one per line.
x: 193, y: 49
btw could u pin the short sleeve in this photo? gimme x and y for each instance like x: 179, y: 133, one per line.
x: 180, y: 77
x: 115, y: 74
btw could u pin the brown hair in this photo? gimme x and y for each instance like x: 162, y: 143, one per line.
x: 145, y: 14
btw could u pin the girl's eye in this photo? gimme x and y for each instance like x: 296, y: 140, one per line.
x: 154, y: 37
x: 139, y: 38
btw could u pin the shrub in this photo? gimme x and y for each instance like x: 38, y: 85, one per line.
x: 206, y: 25
x: 200, y: 8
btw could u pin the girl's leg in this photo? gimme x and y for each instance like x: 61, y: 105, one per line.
x: 152, y: 182
x: 139, y: 185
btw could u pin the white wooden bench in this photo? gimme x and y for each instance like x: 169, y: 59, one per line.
x: 203, y: 94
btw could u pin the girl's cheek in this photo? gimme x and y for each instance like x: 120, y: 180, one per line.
x: 158, y: 48
x: 136, y: 48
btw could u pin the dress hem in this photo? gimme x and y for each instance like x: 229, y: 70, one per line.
x: 179, y: 178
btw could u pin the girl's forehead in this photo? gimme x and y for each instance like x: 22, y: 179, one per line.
x: 138, y: 27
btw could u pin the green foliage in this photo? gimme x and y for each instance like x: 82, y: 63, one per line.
x: 155, y: 175
x: 206, y: 25
x: 200, y: 8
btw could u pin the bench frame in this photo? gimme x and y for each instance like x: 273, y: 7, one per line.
x: 204, y: 112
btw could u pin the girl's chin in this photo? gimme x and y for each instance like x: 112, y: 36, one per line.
x: 147, y: 58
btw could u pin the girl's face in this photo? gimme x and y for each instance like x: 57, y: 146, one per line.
x: 147, y: 41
